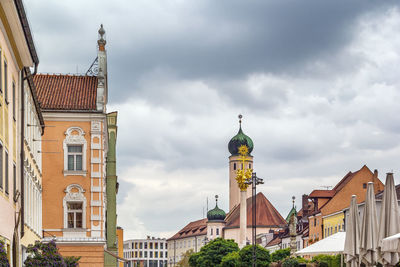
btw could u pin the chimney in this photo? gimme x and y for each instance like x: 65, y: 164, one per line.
x: 305, y: 205
x: 101, y: 99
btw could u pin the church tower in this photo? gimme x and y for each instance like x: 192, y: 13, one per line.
x: 235, y: 163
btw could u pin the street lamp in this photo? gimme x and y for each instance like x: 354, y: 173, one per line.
x: 254, y: 181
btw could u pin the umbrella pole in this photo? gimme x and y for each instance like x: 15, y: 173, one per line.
x: 341, y: 260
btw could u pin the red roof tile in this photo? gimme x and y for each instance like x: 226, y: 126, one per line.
x: 192, y: 229
x: 267, y: 215
x: 66, y: 92
x: 322, y: 193
x: 276, y: 241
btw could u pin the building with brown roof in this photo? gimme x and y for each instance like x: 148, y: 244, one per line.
x: 327, y: 216
x: 74, y: 163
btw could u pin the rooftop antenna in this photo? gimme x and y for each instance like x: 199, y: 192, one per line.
x: 326, y: 187
x: 207, y: 204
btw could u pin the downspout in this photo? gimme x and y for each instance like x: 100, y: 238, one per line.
x: 22, y: 156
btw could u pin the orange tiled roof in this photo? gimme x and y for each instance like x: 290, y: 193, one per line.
x: 66, y: 92
x: 322, y: 193
x: 195, y: 228
x: 276, y: 241
x: 267, y: 215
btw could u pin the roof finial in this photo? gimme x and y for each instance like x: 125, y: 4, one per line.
x: 216, y: 200
x: 101, y: 42
x: 293, y: 199
x: 240, y: 120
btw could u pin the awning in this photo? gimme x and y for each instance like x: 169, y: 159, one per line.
x: 333, y: 244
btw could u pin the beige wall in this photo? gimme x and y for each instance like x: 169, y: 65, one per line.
x: 179, y: 246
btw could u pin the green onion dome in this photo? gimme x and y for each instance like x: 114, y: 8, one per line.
x: 239, y: 140
x: 216, y: 214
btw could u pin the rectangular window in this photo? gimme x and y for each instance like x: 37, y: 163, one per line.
x: 1, y: 167
x: 140, y: 245
x: 217, y: 230
x: 155, y: 245
x: 161, y: 245
x: 161, y: 254
x: 74, y: 214
x: 14, y: 180
x: 13, y: 99
x: 151, y: 254
x: 6, y: 172
x: 145, y: 254
x: 145, y: 245
x: 140, y: 254
x: 156, y: 254
x: 151, y: 245
x: 74, y: 157
x: 5, y: 82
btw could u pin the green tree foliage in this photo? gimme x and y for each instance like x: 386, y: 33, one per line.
x: 246, y: 256
x: 231, y: 260
x: 327, y: 260
x: 212, y: 253
x: 184, y: 262
x: 46, y: 254
x: 3, y: 256
x: 290, y: 262
x: 280, y: 254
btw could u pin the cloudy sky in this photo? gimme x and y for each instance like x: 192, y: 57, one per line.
x: 317, y: 82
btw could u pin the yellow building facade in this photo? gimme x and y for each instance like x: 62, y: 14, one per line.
x: 333, y: 223
x: 17, y: 54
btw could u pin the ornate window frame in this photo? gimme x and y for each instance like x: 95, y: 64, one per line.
x: 75, y: 140
x: 74, y: 197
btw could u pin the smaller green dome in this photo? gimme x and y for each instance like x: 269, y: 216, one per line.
x: 239, y: 140
x: 216, y: 214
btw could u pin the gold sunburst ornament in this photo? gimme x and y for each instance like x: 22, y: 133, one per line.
x: 243, y: 175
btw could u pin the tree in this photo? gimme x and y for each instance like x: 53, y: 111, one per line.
x: 3, y: 256
x: 290, y: 262
x: 246, y: 256
x: 280, y: 254
x: 231, y: 260
x: 184, y: 262
x: 46, y: 254
x: 212, y: 253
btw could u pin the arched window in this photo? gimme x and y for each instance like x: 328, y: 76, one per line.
x: 74, y: 207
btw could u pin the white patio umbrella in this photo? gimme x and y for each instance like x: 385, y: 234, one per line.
x: 369, y: 229
x: 391, y: 243
x: 389, y: 221
x: 352, y: 242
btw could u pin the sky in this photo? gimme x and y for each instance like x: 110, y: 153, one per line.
x: 317, y: 83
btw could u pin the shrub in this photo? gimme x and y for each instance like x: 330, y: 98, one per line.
x: 46, y: 254
x: 290, y: 262
x: 280, y: 254
x: 327, y: 260
x: 3, y: 256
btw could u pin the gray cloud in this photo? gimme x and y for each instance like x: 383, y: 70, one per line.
x: 316, y: 81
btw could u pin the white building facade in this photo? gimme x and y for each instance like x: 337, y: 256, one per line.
x: 150, y: 252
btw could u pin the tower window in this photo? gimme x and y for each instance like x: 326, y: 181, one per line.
x: 234, y: 166
x: 250, y: 166
x: 217, y: 230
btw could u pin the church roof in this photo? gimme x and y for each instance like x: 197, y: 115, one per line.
x: 66, y: 92
x: 238, y: 140
x: 194, y: 228
x: 292, y: 211
x: 267, y: 215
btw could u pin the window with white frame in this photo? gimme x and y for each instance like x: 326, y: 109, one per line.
x: 74, y: 151
x: 74, y: 213
x: 74, y: 157
x: 74, y: 207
